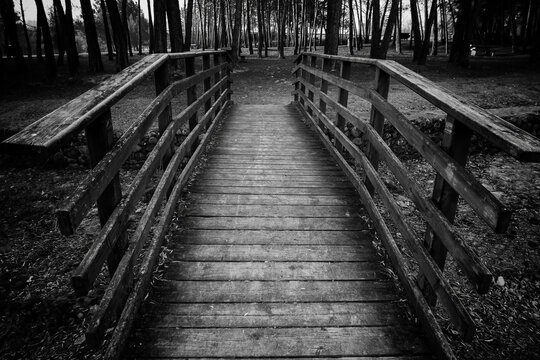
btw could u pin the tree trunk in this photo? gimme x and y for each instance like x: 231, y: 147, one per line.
x: 39, y: 53
x: 375, y: 29
x: 236, y: 31
x: 7, y: 10
x: 223, y: 38
x: 126, y: 27
x: 94, y: 53
x: 351, y: 27
x: 139, y: 30
x: 360, y: 43
x: 108, y: 39
x: 216, y: 33
x: 460, y: 51
x: 281, y: 29
x: 150, y: 28
x: 189, y: 25
x: 26, y: 37
x: 332, y: 27
x: 71, y: 42
x: 416, y: 30
x: 160, y: 27
x: 250, y: 33
x: 385, y: 43
x: 260, y: 29
x: 398, y: 28
x: 422, y: 58
x: 122, y: 60
x: 47, y: 40
x: 435, y: 48
x: 59, y: 33
x: 175, y: 26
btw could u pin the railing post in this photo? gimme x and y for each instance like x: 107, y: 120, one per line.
x: 343, y: 99
x: 326, y: 66
x: 228, y: 74
x: 303, y: 75
x: 100, y: 139
x: 207, y: 82
x: 382, y: 81
x: 456, y: 142
x: 191, y: 97
x: 217, y: 78
x: 161, y: 81
x: 313, y: 64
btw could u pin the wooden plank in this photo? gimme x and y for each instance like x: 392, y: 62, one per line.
x: 239, y: 175
x: 273, y: 291
x: 399, y: 357
x: 485, y: 204
x: 44, y: 135
x: 276, y: 183
x: 269, y: 237
x: 458, y: 314
x: 264, y: 315
x: 254, y: 190
x: 273, y: 271
x: 292, y: 253
x: 425, y: 315
x: 269, y: 199
x: 509, y: 138
x: 351, y: 341
x: 280, y: 211
x: 125, y: 322
x: 462, y: 253
x: 268, y: 223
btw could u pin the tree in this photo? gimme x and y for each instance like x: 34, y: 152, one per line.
x: 122, y: 60
x: 66, y: 37
x: 160, y: 27
x: 94, y: 53
x: 47, y: 40
x: 108, y: 39
x: 175, y: 26
x: 333, y: 17
x: 25, y: 28
x: 236, y: 31
x: 460, y: 51
x: 189, y: 25
x: 7, y: 10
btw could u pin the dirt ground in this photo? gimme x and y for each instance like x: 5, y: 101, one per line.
x: 41, y: 318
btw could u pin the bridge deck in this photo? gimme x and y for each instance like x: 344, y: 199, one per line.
x: 274, y: 258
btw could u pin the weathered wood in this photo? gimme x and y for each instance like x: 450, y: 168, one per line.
x: 99, y: 137
x: 434, y: 334
x: 191, y: 95
x: 121, y: 332
x: 479, y: 275
x: 207, y: 82
x: 91, y: 264
x: 267, y: 271
x: 269, y: 199
x: 271, y: 211
x: 382, y: 81
x: 55, y: 128
x: 311, y: 78
x: 114, y: 298
x: 434, y: 276
x: 262, y: 223
x: 312, y: 342
x: 343, y: 95
x: 360, y: 252
x: 456, y: 142
x: 274, y: 291
x: 238, y: 175
x: 275, y: 183
x: 485, y: 204
x: 269, y: 237
x: 509, y: 138
x: 260, y: 315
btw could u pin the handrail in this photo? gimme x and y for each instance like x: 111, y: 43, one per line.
x: 91, y: 112
x: 448, y: 161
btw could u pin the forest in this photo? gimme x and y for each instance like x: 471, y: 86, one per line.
x: 116, y: 29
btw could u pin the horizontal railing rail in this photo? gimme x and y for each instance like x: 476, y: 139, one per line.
x: 208, y: 95
x: 314, y: 75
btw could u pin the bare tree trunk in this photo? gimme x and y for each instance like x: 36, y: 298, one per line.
x: 108, y: 39
x: 223, y: 38
x: 416, y: 30
x: 47, y: 40
x: 435, y: 48
x: 7, y: 10
x: 422, y: 58
x: 332, y: 27
x: 160, y: 27
x: 398, y: 27
x: 250, y: 33
x: 94, y: 53
x: 351, y: 27
x: 236, y: 31
x: 59, y: 34
x: 360, y: 42
x: 189, y: 25
x: 175, y: 26
x: 122, y: 60
x: 375, y: 29
x: 459, y: 53
x: 139, y: 30
x: 126, y: 27
x: 216, y: 33
x: 39, y: 53
x: 150, y: 28
x: 26, y: 37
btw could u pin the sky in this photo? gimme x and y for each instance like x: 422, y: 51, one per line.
x: 30, y: 11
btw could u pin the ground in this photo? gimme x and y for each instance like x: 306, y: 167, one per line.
x: 41, y: 318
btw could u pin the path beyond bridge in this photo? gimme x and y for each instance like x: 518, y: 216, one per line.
x: 274, y: 258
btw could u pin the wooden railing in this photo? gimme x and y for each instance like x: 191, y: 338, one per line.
x: 208, y: 90
x: 453, y: 180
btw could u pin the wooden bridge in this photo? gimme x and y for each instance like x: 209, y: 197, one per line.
x: 272, y: 250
